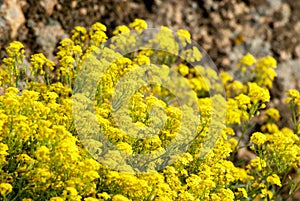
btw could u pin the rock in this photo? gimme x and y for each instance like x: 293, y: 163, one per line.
x: 282, y: 15
x: 244, y: 153
x: 274, y: 4
x: 269, y: 8
x: 48, y: 36
x: 4, y: 31
x: 13, y: 14
x: 289, y: 73
x: 83, y: 11
x: 48, y: 5
x: 259, y: 47
x: 297, y: 51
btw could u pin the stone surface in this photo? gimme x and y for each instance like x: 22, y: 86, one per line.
x: 289, y: 74
x: 48, y: 36
x: 48, y: 5
x: 13, y: 15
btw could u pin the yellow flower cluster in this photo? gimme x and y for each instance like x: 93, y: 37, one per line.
x: 262, y: 71
x: 258, y: 138
x: 5, y: 188
x: 10, y: 70
x: 245, y: 62
x: 163, y: 149
x: 293, y: 100
x: 138, y: 24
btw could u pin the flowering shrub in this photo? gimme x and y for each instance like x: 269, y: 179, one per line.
x: 46, y: 153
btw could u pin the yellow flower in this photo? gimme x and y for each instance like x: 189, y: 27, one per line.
x: 11, y: 67
x: 121, y: 29
x: 184, y: 37
x: 226, y: 194
x: 270, y: 128
x: 258, y: 163
x: 72, y: 191
x: 138, y: 24
x: 143, y: 60
x: 243, y: 101
x: 25, y: 158
x: 79, y: 35
x: 183, y: 69
x: 186, y: 196
x: 119, y: 197
x: 65, y: 48
x: 98, y: 37
x: 243, y: 192
x: 40, y: 62
x: 15, y: 49
x: 186, y: 159
x: 273, y: 114
x: 292, y: 94
x: 233, y: 143
x: 103, y: 196
x: 42, y: 153
x: 258, y: 138
x: 266, y: 194
x: 268, y: 62
x: 236, y: 87
x: 245, y: 62
x: 91, y: 175
x: 40, y: 120
x: 3, y: 149
x: 257, y: 94
x: 225, y: 77
x: 274, y: 179
x: 90, y: 199
x: 98, y: 27
x: 192, y: 55
x: 123, y: 146
x: 57, y: 199
x: 233, y: 115
x: 43, y: 175
x: 5, y: 188
x: 248, y: 59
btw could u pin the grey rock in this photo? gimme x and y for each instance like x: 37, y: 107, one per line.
x: 289, y: 73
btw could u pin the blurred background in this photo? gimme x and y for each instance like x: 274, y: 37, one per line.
x: 226, y: 29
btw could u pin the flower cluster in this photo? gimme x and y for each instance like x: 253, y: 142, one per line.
x: 261, y: 71
x: 134, y: 102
